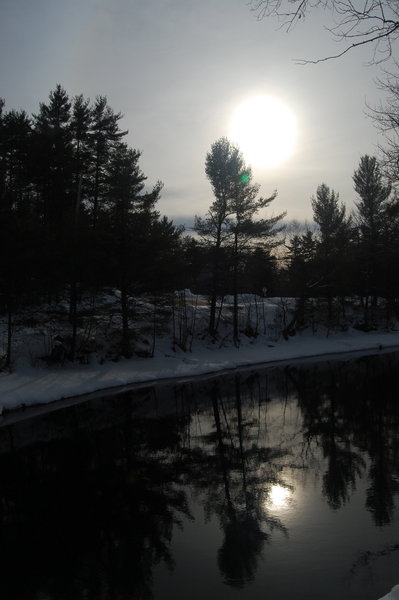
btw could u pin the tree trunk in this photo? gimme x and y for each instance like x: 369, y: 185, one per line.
x: 96, y: 190
x: 212, y: 313
x: 221, y: 453
x: 235, y: 294
x: 9, y: 334
x: 240, y: 438
x: 73, y: 301
x: 215, y: 285
x: 126, y: 350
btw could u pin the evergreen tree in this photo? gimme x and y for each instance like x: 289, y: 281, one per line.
x: 74, y: 210
x: 371, y: 220
x: 230, y: 223
x: 80, y: 124
x: 16, y: 259
x: 15, y: 137
x: 163, y: 263
x: 333, y: 242
x: 221, y: 166
x: 2, y: 159
x: 79, y: 128
x: 373, y: 193
x: 55, y: 195
x: 247, y: 231
x: 301, y: 265
x: 194, y: 272
x: 260, y: 274
x: 104, y: 134
x: 330, y: 216
x: 131, y: 213
x: 53, y: 154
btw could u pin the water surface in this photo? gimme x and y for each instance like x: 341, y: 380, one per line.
x: 260, y: 484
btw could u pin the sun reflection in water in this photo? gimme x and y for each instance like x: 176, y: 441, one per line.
x: 279, y: 497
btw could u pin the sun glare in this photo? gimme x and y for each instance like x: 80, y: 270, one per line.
x: 279, y: 497
x: 265, y: 130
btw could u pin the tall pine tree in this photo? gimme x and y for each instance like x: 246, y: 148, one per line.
x: 371, y: 219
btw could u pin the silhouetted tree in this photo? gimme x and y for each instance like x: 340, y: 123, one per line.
x: 52, y: 174
x: 132, y: 215
x: 230, y: 222
x: 301, y: 274
x: 195, y: 271
x: 261, y: 273
x: 371, y: 219
x: 17, y: 258
x: 247, y: 231
x: 222, y: 164
x: 15, y: 138
x: 333, y: 242
x: 104, y: 134
x: 163, y: 262
x: 301, y: 257
x: 53, y: 153
x: 80, y: 127
x: 74, y: 211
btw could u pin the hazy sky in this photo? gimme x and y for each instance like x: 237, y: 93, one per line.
x: 177, y: 69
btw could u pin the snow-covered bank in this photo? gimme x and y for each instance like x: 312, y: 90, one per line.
x: 28, y: 385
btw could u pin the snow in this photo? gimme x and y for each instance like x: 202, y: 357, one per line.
x: 393, y: 594
x: 36, y: 380
x: 29, y: 385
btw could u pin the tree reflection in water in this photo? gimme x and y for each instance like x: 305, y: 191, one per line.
x: 233, y: 469
x: 89, y: 516
x: 90, y: 496
x: 351, y: 409
x: 245, y: 523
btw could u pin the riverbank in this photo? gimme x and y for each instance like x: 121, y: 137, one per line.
x: 28, y: 385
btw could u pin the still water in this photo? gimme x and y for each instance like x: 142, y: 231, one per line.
x: 271, y: 484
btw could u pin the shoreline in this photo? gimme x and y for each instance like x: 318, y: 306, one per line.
x: 89, y: 383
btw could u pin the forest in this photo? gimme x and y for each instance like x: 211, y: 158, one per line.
x: 78, y: 222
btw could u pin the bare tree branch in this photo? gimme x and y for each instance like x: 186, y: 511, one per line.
x: 386, y: 119
x: 375, y: 23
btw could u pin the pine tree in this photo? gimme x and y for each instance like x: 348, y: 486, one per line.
x: 247, y: 230
x: 371, y: 220
x: 80, y: 124
x: 230, y: 224
x: 2, y: 158
x: 16, y: 260
x: 55, y: 192
x: 81, y: 154
x: 15, y: 142
x: 131, y: 213
x: 330, y: 216
x: 54, y: 156
x: 221, y: 165
x: 373, y: 193
x: 333, y: 242
x: 104, y: 134
x: 163, y: 261
x: 301, y: 266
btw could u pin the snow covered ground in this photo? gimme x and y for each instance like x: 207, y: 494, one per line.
x: 29, y: 385
x: 32, y: 382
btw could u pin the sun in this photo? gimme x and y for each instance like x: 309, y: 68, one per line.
x: 265, y: 130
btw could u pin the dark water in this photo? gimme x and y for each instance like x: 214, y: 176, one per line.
x: 275, y: 484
